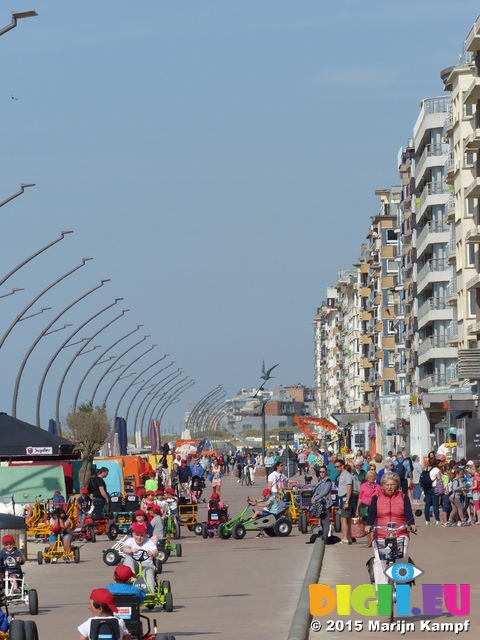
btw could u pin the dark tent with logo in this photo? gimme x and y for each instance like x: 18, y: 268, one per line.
x: 21, y: 440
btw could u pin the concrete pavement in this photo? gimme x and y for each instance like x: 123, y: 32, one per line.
x: 446, y: 555
x: 221, y: 588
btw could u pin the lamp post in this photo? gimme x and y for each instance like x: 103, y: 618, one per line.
x: 17, y: 15
x: 192, y: 419
x: 52, y: 359
x: 172, y: 377
x: 171, y: 400
x: 210, y: 408
x: 135, y: 380
x: 78, y: 353
x: 109, y: 369
x: 5, y: 295
x: 196, y: 408
x: 19, y: 193
x: 127, y: 368
x: 34, y: 255
x: 44, y: 333
x: 143, y: 387
x: 30, y: 304
x: 165, y: 393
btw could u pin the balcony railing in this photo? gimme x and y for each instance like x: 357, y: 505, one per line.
x: 433, y: 342
x: 452, y: 287
x: 430, y: 150
x: 430, y: 305
x: 434, y: 226
x: 433, y: 189
x: 452, y: 372
x: 452, y: 331
x: 435, y: 380
x: 435, y: 264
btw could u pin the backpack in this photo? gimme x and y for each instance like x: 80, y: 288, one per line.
x: 449, y: 488
x: 356, y: 485
x: 400, y: 469
x: 425, y: 480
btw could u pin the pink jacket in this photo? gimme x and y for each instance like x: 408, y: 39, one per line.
x: 367, y: 491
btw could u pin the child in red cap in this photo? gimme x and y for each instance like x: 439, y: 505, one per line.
x: 141, y: 517
x: 172, y: 504
x: 102, y: 605
x: 148, y: 500
x: 84, y: 504
x: 134, y: 549
x: 122, y: 586
x: 11, y: 560
x: 268, y: 504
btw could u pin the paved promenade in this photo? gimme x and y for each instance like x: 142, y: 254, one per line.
x: 221, y: 588
x: 446, y: 555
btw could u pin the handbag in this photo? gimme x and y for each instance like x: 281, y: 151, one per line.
x: 358, y: 528
x: 363, y: 512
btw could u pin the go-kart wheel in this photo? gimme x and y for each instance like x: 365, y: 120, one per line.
x: 33, y: 602
x: 169, y: 602
x: 197, y: 528
x: 163, y: 555
x: 158, y: 565
x: 166, y: 585
x: 238, y: 531
x: 93, y: 535
x: 337, y: 525
x: 204, y: 531
x: 176, y: 535
x: 210, y: 534
x: 222, y: 533
x: 270, y: 532
x: 283, y: 527
x: 111, y: 557
x: 17, y: 630
x: 191, y: 527
x: 76, y: 555
x: 31, y: 632
x: 288, y: 516
x: 112, y: 531
x: 178, y: 550
x: 40, y: 557
x: 303, y: 523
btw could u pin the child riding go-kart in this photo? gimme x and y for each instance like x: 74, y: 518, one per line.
x: 273, y: 524
x: 217, y: 514
x: 161, y: 595
x: 58, y: 552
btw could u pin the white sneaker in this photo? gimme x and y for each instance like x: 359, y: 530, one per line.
x: 238, y: 481
x: 437, y: 522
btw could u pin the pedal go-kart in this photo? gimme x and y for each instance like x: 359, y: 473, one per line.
x: 129, y: 610
x: 26, y: 596
x: 162, y: 596
x: 165, y: 548
x: 173, y: 528
x: 112, y: 556
x: 306, y: 521
x: 22, y: 630
x: 273, y: 524
x: 58, y: 552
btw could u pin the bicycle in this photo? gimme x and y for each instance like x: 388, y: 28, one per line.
x: 391, y: 550
x: 246, y: 478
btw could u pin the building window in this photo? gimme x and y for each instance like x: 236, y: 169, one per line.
x: 470, y: 255
x: 470, y: 207
x: 392, y: 266
x: 469, y: 159
x: 472, y: 303
x: 468, y: 110
x: 391, y: 236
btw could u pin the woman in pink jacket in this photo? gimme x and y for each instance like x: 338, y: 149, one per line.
x: 368, y: 489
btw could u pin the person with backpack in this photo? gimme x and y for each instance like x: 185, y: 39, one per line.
x: 416, y: 473
x: 402, y: 467
x: 428, y: 479
x: 456, y: 490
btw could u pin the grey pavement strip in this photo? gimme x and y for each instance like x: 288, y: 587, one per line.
x: 300, y: 628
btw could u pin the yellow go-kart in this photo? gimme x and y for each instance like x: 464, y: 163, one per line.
x: 58, y: 552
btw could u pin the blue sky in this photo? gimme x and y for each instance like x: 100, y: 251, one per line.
x: 217, y: 160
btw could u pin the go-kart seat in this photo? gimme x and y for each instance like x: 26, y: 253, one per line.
x: 129, y: 611
x: 104, y: 629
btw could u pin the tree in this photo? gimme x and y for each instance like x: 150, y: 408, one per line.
x: 89, y: 428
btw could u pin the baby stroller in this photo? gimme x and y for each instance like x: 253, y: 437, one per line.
x: 215, y: 517
x: 197, y: 486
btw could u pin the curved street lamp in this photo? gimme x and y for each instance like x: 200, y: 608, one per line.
x: 109, y: 369
x: 30, y: 304
x: 155, y: 395
x: 171, y: 400
x: 155, y: 390
x: 198, y: 406
x: 52, y: 359
x: 34, y: 255
x: 135, y: 381
x: 78, y: 353
x: 208, y: 411
x: 120, y: 376
x: 44, y: 333
x: 17, y: 15
x: 143, y: 387
x: 19, y: 193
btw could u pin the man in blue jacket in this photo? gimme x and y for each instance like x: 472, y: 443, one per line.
x: 196, y: 468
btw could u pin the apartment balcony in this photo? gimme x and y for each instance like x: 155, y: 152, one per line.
x: 473, y: 329
x: 433, y: 270
x: 435, y: 380
x: 472, y: 142
x: 452, y: 250
x: 435, y: 347
x: 469, y: 364
x: 473, y: 190
x: 434, y: 232
x: 449, y: 171
x: 474, y: 283
x: 434, y: 193
x: 429, y: 159
x: 433, y: 309
x: 452, y: 333
x: 473, y: 236
x: 451, y: 208
x: 452, y: 291
x: 472, y: 42
x: 449, y: 123
x: 472, y: 94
